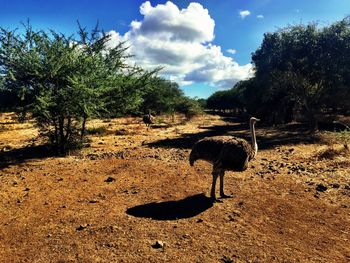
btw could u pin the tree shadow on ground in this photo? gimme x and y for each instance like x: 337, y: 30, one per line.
x: 173, y: 210
x: 21, y: 155
x: 267, y: 137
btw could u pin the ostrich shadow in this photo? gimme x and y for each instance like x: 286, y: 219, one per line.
x: 172, y: 210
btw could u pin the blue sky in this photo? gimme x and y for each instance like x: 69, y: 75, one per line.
x: 204, y: 45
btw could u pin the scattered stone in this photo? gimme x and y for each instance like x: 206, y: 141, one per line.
x: 226, y: 259
x: 159, y: 244
x: 26, y: 189
x: 82, y: 227
x: 93, y: 201
x: 241, y: 203
x: 110, y: 180
x: 335, y: 185
x: 200, y: 220
x: 321, y: 188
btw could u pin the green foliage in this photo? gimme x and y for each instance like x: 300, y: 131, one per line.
x: 161, y: 96
x: 64, y: 81
x: 164, y: 96
x: 189, y: 107
x: 225, y: 100
x: 301, y: 68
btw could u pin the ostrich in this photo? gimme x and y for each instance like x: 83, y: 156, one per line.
x: 226, y: 153
x: 343, y: 126
x: 148, y: 119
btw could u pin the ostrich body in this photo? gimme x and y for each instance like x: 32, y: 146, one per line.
x: 226, y: 153
x: 148, y: 119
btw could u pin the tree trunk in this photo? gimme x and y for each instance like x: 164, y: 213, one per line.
x: 62, y: 141
x: 313, y: 122
x: 82, y: 133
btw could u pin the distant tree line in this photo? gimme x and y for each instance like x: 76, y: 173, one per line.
x: 62, y: 81
x: 301, y: 68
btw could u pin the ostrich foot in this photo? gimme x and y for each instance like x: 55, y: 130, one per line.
x: 225, y: 195
x: 215, y: 200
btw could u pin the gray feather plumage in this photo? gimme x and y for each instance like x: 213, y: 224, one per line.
x: 224, y: 152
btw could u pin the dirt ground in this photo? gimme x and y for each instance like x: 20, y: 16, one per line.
x: 131, y: 196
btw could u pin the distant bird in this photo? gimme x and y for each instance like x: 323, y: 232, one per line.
x: 148, y: 119
x: 226, y: 153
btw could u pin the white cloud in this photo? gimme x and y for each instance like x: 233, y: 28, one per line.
x: 180, y: 41
x: 260, y: 17
x: 231, y: 51
x: 243, y: 14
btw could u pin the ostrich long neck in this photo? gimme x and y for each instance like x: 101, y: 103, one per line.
x: 254, y: 144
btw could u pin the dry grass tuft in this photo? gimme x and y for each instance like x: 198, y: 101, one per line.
x: 332, y: 152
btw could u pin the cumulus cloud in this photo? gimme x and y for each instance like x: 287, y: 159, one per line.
x: 231, y: 51
x: 259, y: 16
x: 180, y: 41
x: 243, y: 14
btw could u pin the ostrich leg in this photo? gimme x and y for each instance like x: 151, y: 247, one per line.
x: 215, y: 174
x: 222, y: 194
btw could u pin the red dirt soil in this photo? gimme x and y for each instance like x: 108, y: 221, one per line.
x: 132, y: 197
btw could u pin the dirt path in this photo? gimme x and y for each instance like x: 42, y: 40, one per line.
x: 134, y: 187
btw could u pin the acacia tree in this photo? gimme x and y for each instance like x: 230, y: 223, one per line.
x: 304, y: 66
x: 63, y: 80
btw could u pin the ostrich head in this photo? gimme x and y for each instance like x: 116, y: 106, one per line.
x: 253, y: 120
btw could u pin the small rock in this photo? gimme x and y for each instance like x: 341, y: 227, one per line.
x: 82, y: 227
x: 158, y: 244
x: 335, y: 185
x: 226, y: 259
x: 26, y: 189
x: 199, y: 220
x: 321, y: 188
x: 110, y: 180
